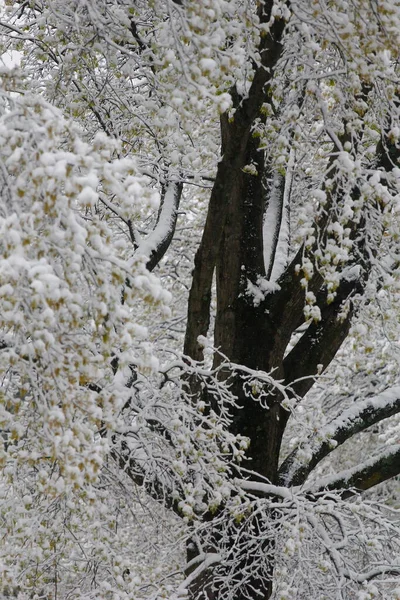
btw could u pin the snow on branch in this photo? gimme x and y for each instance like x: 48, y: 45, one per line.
x: 294, y: 470
x: 377, y: 469
x: 337, y: 559
x: 265, y: 489
x: 157, y: 243
x: 276, y: 226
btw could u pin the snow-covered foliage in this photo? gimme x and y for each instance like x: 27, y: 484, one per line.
x: 119, y: 453
x: 80, y: 382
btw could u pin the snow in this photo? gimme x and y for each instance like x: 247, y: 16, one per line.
x: 348, y: 474
x: 272, y: 227
x: 351, y: 273
x: 88, y: 197
x: 207, y: 65
x: 261, y: 289
x: 206, y: 561
x: 165, y: 222
x: 385, y: 401
x: 266, y: 489
x: 80, y: 362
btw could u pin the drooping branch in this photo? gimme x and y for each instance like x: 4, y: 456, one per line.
x: 352, y: 421
x: 156, y: 489
x: 158, y: 241
x: 338, y: 559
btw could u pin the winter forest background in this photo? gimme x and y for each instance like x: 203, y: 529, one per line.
x: 200, y: 299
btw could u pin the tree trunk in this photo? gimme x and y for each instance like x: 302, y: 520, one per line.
x: 232, y: 244
x: 245, y: 331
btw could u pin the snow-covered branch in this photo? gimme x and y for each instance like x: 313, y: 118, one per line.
x: 276, y: 229
x: 294, y: 471
x: 379, y: 468
x: 157, y: 243
x: 264, y: 489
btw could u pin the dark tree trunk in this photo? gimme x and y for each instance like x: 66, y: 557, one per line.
x: 253, y: 332
x: 232, y: 246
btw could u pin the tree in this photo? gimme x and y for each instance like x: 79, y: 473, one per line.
x: 262, y: 140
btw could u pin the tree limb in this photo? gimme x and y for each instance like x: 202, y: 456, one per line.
x: 158, y: 241
x: 320, y: 342
x: 362, y: 477
x: 276, y: 214
x: 230, y: 182
x: 352, y: 421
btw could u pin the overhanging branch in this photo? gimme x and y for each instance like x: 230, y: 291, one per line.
x: 156, y: 489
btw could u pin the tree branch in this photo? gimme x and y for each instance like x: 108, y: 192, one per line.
x: 274, y: 221
x: 352, y: 421
x: 320, y: 342
x: 158, y: 241
x: 362, y: 477
x: 228, y: 190
x: 156, y: 489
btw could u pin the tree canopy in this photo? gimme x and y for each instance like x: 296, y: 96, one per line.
x: 200, y: 299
